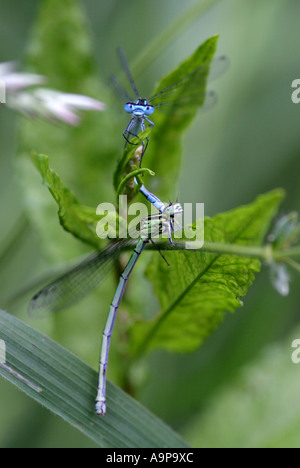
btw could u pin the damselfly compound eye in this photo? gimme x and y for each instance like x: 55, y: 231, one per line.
x: 128, y: 107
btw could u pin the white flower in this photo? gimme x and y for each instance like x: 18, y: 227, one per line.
x: 63, y: 106
x: 16, y: 92
x: 14, y: 81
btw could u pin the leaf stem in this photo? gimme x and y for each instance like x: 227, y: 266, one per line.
x: 264, y: 253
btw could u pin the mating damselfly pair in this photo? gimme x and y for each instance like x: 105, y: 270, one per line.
x: 76, y: 283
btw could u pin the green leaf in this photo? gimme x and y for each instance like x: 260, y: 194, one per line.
x: 58, y: 380
x: 193, y: 304
x: 60, y: 48
x: 163, y: 154
x: 259, y: 409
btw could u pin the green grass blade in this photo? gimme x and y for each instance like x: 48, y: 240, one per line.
x: 64, y: 384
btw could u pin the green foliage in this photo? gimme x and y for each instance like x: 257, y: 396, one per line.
x: 193, y: 304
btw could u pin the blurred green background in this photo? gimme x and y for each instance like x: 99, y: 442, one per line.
x: 225, y: 393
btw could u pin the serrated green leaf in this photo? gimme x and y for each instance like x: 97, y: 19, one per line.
x: 193, y: 304
x: 58, y: 380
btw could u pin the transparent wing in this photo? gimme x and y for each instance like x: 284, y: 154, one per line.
x: 205, y: 100
x: 119, y: 90
x: 125, y: 66
x: 76, y: 283
x: 72, y: 286
x: 186, y: 89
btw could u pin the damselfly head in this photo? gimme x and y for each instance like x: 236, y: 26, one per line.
x: 141, y: 102
x: 139, y: 108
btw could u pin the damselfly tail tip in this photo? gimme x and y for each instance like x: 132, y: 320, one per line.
x: 100, y: 408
